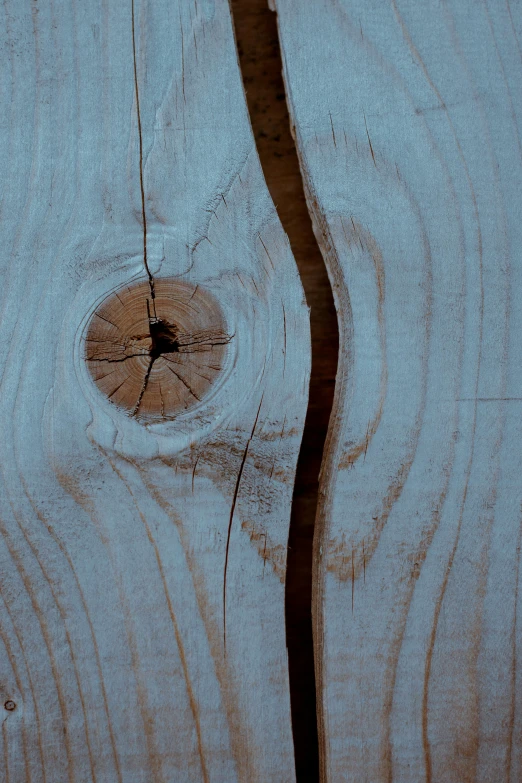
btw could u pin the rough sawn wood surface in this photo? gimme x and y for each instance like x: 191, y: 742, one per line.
x: 407, y: 120
x: 142, y: 633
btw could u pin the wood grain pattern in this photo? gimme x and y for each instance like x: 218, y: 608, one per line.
x: 407, y: 121
x: 142, y: 562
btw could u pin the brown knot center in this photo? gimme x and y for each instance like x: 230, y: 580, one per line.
x: 156, y: 359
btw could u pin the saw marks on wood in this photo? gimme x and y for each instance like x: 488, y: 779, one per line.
x: 143, y: 515
x: 156, y: 356
x: 407, y: 121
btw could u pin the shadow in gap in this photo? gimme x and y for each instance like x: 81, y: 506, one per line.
x: 260, y: 60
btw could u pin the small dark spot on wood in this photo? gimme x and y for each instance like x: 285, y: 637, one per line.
x: 10, y: 705
x: 163, y: 338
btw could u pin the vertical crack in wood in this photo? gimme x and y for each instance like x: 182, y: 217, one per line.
x: 231, y: 518
x: 144, y: 387
x: 140, y: 143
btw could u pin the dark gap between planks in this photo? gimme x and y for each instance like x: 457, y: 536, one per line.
x: 260, y: 61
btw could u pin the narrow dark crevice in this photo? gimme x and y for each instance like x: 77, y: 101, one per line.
x: 140, y: 146
x: 260, y: 60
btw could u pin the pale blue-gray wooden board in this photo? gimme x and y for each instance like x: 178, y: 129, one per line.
x: 407, y: 117
x: 115, y: 535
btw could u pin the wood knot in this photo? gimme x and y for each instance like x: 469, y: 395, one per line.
x: 156, y: 352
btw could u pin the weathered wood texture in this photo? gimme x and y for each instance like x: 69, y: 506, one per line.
x: 142, y: 562
x: 407, y: 118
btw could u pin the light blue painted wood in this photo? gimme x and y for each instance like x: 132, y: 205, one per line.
x: 407, y: 120
x: 115, y: 534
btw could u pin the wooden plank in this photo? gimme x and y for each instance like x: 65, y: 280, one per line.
x: 407, y: 121
x: 155, y: 360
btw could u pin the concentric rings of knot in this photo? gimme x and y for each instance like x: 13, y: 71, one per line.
x: 155, y: 357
